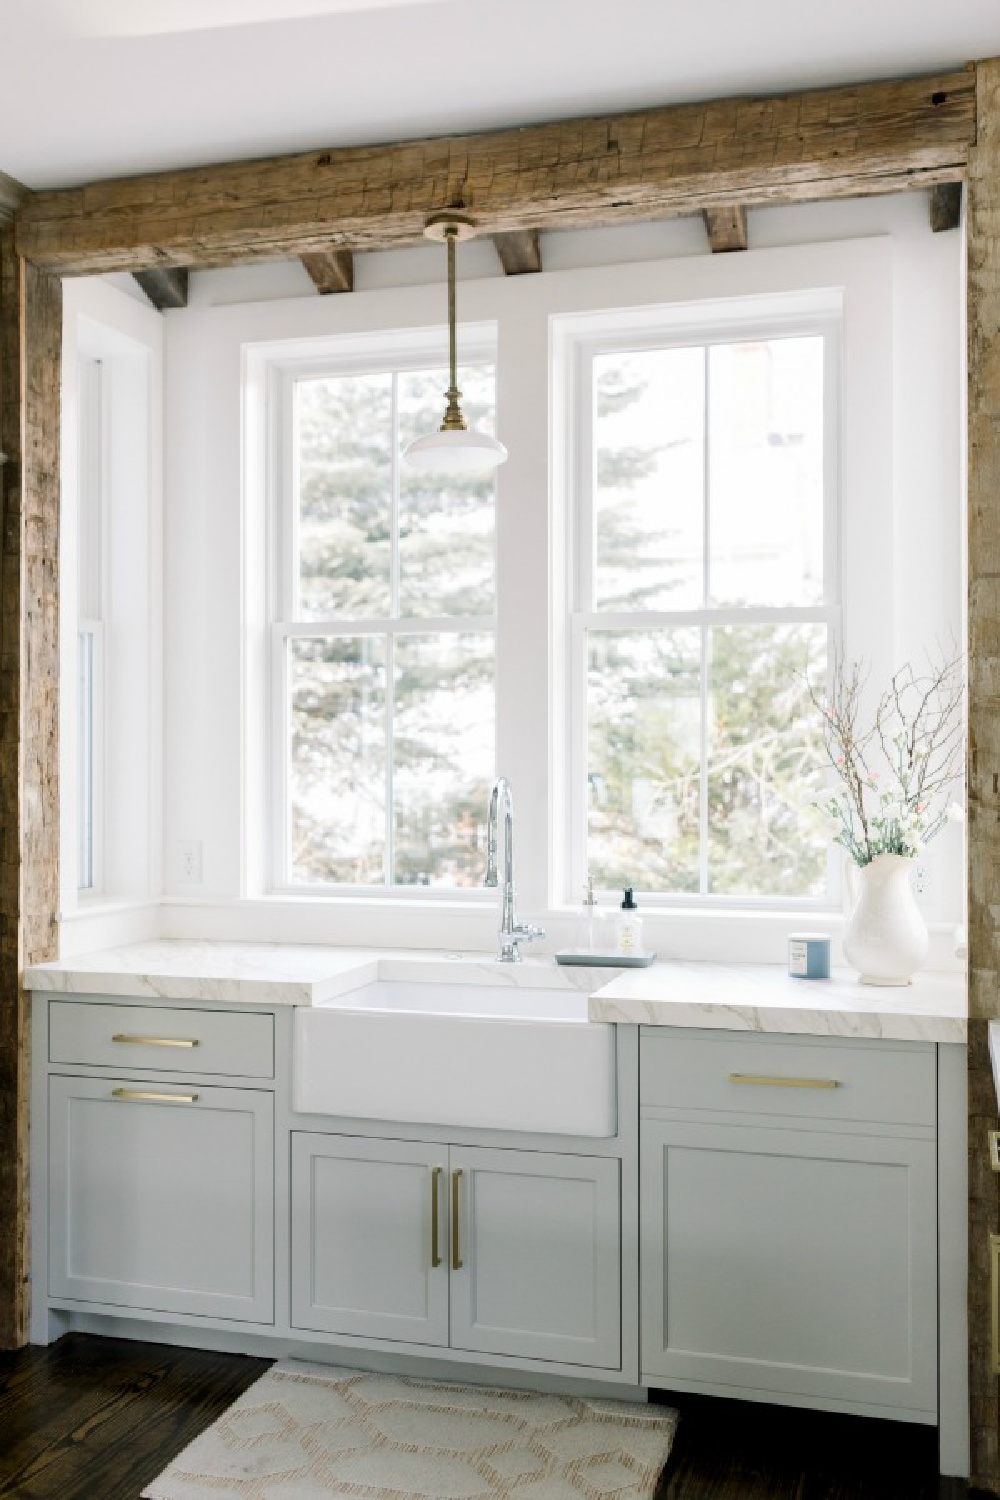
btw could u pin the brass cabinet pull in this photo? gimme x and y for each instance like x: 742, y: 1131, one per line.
x: 994, y: 1136
x: 154, y: 1098
x: 156, y: 1041
x: 456, y: 1189
x: 785, y: 1083
x: 435, y: 1226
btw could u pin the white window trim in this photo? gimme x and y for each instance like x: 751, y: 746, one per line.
x: 280, y: 366
x: 92, y: 476
x: 576, y: 343
x: 102, y: 324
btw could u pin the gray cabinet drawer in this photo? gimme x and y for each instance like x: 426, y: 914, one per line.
x: 805, y: 1078
x: 162, y: 1197
x: 236, y: 1044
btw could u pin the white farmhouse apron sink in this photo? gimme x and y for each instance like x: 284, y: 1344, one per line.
x: 483, y: 1056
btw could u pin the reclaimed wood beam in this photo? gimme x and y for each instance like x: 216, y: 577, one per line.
x: 30, y: 360
x: 520, y: 252
x: 984, y: 755
x: 946, y: 206
x: 727, y: 228
x: 12, y: 195
x: 166, y: 286
x: 331, y: 270
x: 830, y: 143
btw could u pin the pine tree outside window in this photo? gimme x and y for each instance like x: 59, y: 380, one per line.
x: 704, y: 590
x: 385, y: 635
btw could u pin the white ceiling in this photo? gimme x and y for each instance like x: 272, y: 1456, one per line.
x: 100, y: 88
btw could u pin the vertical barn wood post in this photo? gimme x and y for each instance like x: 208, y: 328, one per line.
x: 30, y: 358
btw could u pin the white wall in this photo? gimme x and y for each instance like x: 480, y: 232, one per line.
x: 909, y: 466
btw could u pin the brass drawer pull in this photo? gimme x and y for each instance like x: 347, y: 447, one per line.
x: 156, y: 1041
x: 456, y: 1189
x: 436, y: 1173
x: 786, y: 1083
x: 154, y: 1098
x: 994, y: 1137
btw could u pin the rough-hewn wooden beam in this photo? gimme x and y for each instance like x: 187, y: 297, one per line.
x: 727, y: 228
x: 331, y: 270
x: 165, y: 287
x: 12, y: 195
x: 946, y: 206
x: 30, y: 355
x: 983, y: 219
x: 870, y: 138
x: 520, y: 252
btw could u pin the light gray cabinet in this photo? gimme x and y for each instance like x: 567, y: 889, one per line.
x: 364, y: 1215
x: 538, y: 1237
x: 500, y: 1252
x: 161, y: 1197
x: 791, y: 1257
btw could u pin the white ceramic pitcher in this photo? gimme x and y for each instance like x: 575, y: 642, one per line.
x: 885, y: 937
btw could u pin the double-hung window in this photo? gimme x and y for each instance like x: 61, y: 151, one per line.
x: 384, y: 628
x: 704, y: 598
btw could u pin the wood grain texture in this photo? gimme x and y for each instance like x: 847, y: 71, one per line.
x: 331, y: 270
x: 30, y: 359
x: 165, y: 287
x: 520, y: 252
x: 98, y: 1419
x: 983, y: 217
x: 845, y: 142
x: 946, y: 206
x: 727, y: 228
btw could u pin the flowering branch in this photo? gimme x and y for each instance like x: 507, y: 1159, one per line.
x: 894, y: 771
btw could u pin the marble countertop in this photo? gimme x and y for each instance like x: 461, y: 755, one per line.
x: 764, y: 997
x: 735, y: 997
x: 283, y: 973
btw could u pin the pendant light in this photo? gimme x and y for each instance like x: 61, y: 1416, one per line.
x: 454, y: 449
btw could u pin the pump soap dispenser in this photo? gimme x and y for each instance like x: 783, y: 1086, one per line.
x: 628, y: 928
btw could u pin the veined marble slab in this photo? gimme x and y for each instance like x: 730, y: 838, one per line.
x: 764, y: 997
x: 735, y: 997
x: 282, y: 973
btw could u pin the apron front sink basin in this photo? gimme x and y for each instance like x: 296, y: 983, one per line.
x: 489, y: 1057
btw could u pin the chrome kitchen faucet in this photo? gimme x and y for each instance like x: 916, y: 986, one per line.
x: 510, y: 932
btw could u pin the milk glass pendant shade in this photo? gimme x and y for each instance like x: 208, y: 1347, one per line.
x: 454, y: 449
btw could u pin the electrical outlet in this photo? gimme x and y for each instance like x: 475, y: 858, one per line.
x: 923, y: 882
x: 190, y: 861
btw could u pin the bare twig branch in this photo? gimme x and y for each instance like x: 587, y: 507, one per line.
x: 917, y: 733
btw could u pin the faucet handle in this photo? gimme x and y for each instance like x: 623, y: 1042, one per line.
x: 527, y: 931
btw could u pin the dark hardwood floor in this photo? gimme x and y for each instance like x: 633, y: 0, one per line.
x: 745, y: 1450
x: 97, y: 1419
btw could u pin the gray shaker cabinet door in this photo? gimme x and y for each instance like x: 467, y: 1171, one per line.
x: 161, y: 1196
x: 538, y: 1241
x: 790, y: 1262
x: 363, y: 1238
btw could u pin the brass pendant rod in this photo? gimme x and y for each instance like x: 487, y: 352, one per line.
x: 452, y: 312
x: 454, y: 418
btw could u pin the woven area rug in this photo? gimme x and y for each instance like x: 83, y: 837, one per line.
x: 308, y: 1432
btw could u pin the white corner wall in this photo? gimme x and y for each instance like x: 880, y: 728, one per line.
x: 209, y: 788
